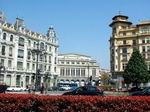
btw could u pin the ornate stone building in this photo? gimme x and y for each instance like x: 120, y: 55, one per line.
x: 77, y: 68
x: 26, y: 54
x: 125, y: 37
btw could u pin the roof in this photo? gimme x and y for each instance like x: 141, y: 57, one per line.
x: 119, y: 16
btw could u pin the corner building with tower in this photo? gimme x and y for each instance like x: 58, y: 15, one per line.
x: 27, y: 56
x: 125, y: 37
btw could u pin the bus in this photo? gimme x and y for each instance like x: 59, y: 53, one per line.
x: 67, y: 86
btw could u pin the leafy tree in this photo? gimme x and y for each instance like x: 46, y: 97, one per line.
x: 136, y: 70
x: 105, y: 78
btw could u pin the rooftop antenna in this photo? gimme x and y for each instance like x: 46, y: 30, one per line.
x: 119, y: 12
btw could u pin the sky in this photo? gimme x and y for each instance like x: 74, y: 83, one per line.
x: 82, y: 26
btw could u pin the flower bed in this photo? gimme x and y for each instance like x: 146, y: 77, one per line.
x: 36, y: 103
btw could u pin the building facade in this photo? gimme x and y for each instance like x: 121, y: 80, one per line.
x: 77, y: 68
x: 26, y: 55
x: 125, y: 37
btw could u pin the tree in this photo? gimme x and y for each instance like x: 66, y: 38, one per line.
x: 105, y: 78
x: 136, y: 70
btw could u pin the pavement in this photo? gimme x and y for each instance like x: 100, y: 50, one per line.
x: 57, y: 93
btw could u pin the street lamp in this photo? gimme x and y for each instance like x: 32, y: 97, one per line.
x: 47, y: 78
x: 38, y: 51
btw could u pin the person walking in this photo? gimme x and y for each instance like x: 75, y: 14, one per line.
x: 42, y: 88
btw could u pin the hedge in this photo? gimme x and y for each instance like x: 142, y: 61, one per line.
x: 37, y: 103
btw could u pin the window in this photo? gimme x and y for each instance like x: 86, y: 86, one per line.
x: 124, y: 42
x: 124, y: 34
x: 55, y: 50
x: 67, y: 62
x: 67, y: 71
x: 29, y: 43
x: 20, y: 65
x: 3, y: 50
x: 148, y: 65
x: 124, y: 66
x: 9, y: 63
x: 124, y: 57
x: 29, y: 55
x: 124, y: 50
x: 10, y: 51
x: 20, y: 53
x: 2, y: 62
x: 46, y: 47
x: 34, y: 44
x: 78, y: 72
x: 54, y: 69
x: 45, y: 58
x: 1, y: 78
x: 148, y: 48
x: 62, y: 62
x: 49, y: 59
x: 78, y: 62
x: 21, y: 41
x: 33, y: 66
x: 18, y: 79
x: 133, y: 33
x: 134, y: 42
x: 148, y: 40
x: 143, y: 48
x: 94, y: 72
x: 41, y: 57
x: 41, y: 45
x: 55, y: 60
x: 4, y: 36
x: 144, y: 55
x: 45, y: 68
x: 11, y: 38
x: 33, y: 56
x: 72, y: 71
x: 49, y: 68
x: 143, y: 41
x: 148, y: 55
x: 50, y: 49
x: 83, y: 72
x: 28, y: 66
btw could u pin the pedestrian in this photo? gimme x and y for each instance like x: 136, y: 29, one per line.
x: 42, y: 88
x: 29, y: 88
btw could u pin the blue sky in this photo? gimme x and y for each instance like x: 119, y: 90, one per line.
x: 82, y: 26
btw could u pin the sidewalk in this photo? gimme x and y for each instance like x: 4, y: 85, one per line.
x: 111, y: 93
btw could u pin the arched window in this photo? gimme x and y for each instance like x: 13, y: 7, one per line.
x: 10, y: 51
x: 42, y: 46
x: 21, y: 41
x: 29, y: 55
x: 4, y: 36
x: 29, y: 42
x: 11, y: 38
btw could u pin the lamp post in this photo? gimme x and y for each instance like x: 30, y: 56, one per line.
x: 38, y: 51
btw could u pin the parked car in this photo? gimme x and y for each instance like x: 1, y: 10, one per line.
x: 86, y: 90
x: 16, y: 89
x: 144, y: 92
x: 3, y: 88
x: 135, y: 89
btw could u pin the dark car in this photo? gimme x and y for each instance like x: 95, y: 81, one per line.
x: 144, y: 92
x: 135, y: 89
x: 86, y: 90
x: 3, y: 88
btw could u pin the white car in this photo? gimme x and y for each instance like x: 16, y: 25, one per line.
x: 13, y: 88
